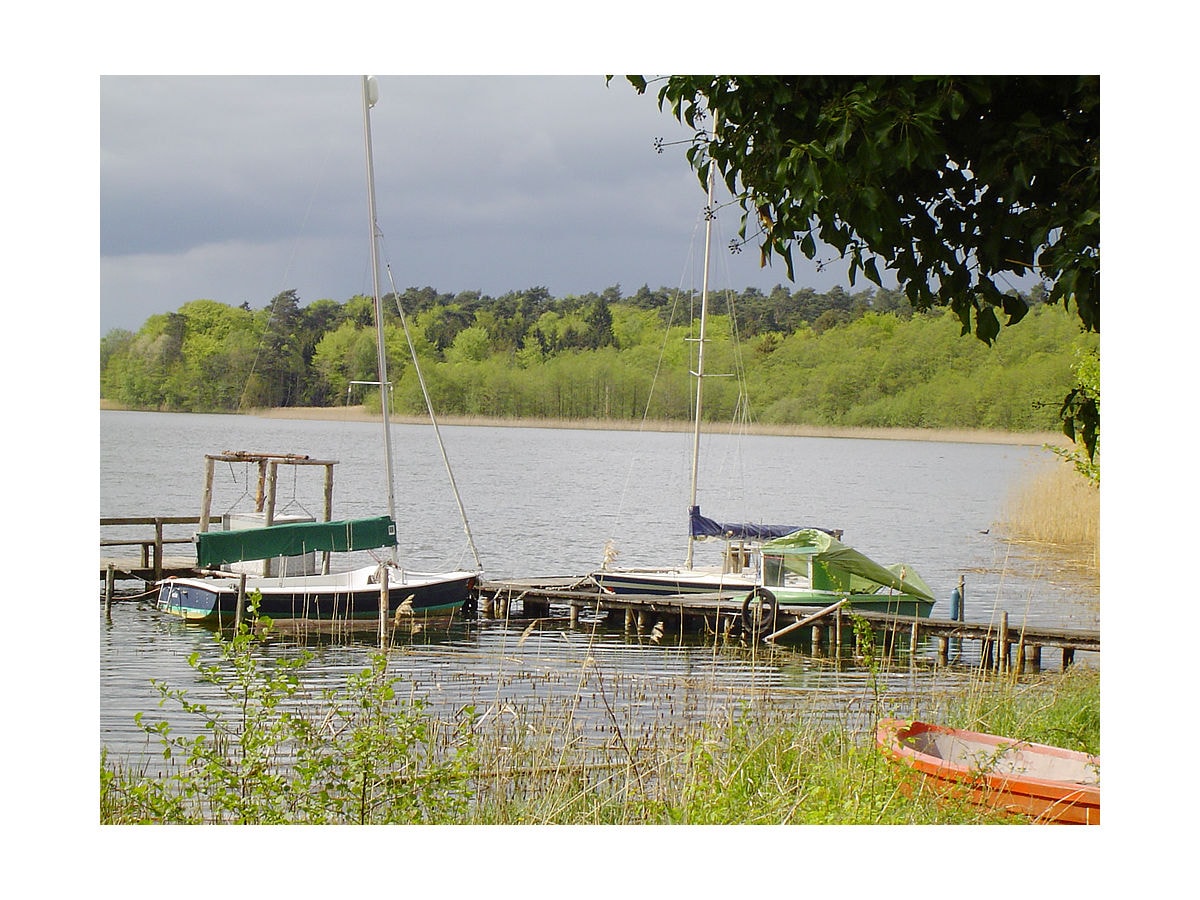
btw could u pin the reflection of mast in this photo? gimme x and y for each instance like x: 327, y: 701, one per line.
x: 370, y: 97
x: 709, y: 213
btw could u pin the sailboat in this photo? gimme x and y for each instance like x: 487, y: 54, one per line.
x: 359, y: 593
x: 739, y: 568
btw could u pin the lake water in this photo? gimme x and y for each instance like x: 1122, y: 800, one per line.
x: 544, y: 502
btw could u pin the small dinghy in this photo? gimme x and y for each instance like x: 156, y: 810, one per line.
x: 1048, y: 784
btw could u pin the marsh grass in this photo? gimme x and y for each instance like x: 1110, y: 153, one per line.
x: 1057, y: 507
x: 609, y: 748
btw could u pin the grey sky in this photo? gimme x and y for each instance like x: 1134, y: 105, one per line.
x: 236, y: 188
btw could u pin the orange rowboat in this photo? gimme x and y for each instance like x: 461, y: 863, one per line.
x: 1048, y: 784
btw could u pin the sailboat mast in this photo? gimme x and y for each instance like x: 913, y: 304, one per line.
x: 699, y: 373
x: 370, y: 91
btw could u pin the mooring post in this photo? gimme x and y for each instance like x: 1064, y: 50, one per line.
x: 158, y: 548
x: 383, y: 605
x: 110, y: 583
x: 1002, y: 660
x: 206, y: 507
x: 837, y: 635
x: 241, y: 602
x: 272, y: 479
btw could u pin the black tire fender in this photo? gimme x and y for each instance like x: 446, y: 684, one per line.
x: 758, y: 612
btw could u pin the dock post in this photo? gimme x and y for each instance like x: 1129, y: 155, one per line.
x: 383, y: 606
x: 943, y: 649
x: 818, y: 639
x: 158, y: 548
x: 241, y: 602
x: 272, y: 479
x: 837, y: 635
x: 1068, y: 657
x: 629, y: 620
x: 1002, y: 660
x: 574, y: 615
x: 110, y: 583
x: 1035, y: 657
x: 206, y: 508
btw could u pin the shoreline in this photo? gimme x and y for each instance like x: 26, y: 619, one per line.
x: 947, y: 435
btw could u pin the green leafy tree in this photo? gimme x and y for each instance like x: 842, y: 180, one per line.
x: 954, y: 183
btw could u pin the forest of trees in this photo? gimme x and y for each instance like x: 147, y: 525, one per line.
x: 837, y: 358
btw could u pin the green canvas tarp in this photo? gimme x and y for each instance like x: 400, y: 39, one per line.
x: 213, y: 548
x: 844, y: 565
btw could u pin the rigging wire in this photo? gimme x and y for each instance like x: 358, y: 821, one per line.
x: 462, y: 512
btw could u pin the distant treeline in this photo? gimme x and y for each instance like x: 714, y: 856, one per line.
x: 837, y: 358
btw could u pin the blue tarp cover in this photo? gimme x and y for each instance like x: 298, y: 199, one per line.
x: 702, y: 526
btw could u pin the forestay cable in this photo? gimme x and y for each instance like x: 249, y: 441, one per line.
x: 462, y: 512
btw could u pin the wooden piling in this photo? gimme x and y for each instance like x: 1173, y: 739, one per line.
x: 383, y: 606
x: 206, y: 506
x: 1002, y: 661
x: 110, y: 586
x: 241, y: 602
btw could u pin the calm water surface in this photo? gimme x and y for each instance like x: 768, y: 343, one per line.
x: 545, y: 502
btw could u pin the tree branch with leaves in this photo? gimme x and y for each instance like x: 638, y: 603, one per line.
x: 952, y: 183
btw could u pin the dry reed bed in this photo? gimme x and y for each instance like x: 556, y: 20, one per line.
x: 1058, y: 509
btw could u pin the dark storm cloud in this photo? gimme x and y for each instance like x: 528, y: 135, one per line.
x: 234, y: 189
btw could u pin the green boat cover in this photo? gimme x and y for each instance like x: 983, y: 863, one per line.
x: 294, y: 539
x: 838, y: 567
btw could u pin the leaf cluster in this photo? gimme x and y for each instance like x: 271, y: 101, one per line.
x: 951, y: 182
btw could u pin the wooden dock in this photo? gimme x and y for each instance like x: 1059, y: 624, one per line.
x: 151, y: 562
x: 1002, y: 645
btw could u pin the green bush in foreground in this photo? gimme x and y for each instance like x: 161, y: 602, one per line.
x: 369, y: 759
x: 364, y: 756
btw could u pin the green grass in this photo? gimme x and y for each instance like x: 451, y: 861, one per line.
x: 365, y: 754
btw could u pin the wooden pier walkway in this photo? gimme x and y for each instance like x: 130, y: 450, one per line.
x: 151, y: 562
x: 1002, y: 644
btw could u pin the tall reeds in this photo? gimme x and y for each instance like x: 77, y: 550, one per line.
x: 1057, y: 506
